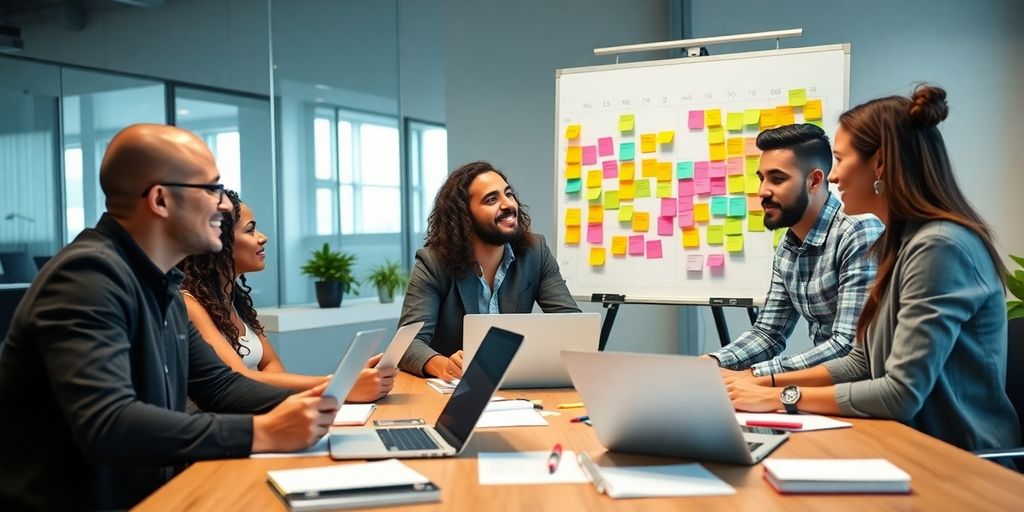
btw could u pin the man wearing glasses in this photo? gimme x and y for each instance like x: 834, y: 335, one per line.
x: 100, y: 354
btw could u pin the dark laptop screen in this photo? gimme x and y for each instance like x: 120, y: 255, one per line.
x: 478, y: 384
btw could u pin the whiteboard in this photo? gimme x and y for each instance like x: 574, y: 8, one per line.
x: 664, y: 96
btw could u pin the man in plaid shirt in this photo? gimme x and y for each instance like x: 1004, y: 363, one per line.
x: 822, y: 269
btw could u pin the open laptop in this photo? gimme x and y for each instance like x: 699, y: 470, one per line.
x: 458, y: 418
x: 538, y: 363
x: 667, y: 405
x: 399, y: 344
x: 365, y: 344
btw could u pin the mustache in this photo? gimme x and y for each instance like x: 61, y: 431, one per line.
x: 512, y: 212
x: 770, y: 204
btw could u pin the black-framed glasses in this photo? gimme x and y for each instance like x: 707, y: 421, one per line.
x: 212, y: 188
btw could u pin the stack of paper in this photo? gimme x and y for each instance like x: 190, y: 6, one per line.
x: 654, y: 481
x: 836, y: 476
x: 511, y: 413
x: 522, y: 468
x: 372, y: 484
x: 789, y: 422
x: 353, y: 414
x: 441, y: 386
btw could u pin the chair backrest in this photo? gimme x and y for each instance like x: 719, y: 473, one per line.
x: 1015, y: 366
x: 10, y: 296
x: 16, y: 267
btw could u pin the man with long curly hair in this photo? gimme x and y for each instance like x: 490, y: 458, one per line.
x: 479, y: 257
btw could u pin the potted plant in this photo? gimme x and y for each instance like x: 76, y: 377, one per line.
x: 1015, y: 283
x: 333, y: 272
x: 387, y: 277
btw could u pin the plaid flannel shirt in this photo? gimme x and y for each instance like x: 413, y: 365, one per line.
x: 825, y: 279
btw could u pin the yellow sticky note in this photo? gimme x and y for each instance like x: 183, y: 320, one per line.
x: 734, y: 243
x: 812, y: 110
x: 641, y: 221
x: 664, y: 172
x: 751, y: 116
x: 716, y: 152
x: 734, y: 122
x: 611, y: 200
x: 572, y: 234
x: 751, y: 163
x: 712, y: 117
x: 572, y: 217
x: 596, y: 256
x: 666, y: 137
x: 626, y: 214
x: 664, y: 189
x: 777, y: 236
x: 735, y: 184
x: 797, y: 97
x: 573, y: 154
x: 572, y: 131
x: 691, y: 237
x: 643, y: 188
x: 716, y: 135
x: 627, y: 171
x: 618, y: 245
x: 733, y: 226
x: 755, y: 221
x: 734, y: 146
x: 626, y: 123
x: 716, y: 234
x: 648, y: 143
x: 784, y: 115
x: 595, y: 214
x: 649, y: 168
x: 768, y: 119
x: 593, y: 194
x: 752, y: 185
x: 594, y: 178
x: 627, y: 191
x: 701, y: 212
x: 572, y: 171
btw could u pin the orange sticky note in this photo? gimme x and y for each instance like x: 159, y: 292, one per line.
x: 750, y: 147
x: 754, y: 204
x: 649, y: 168
x: 701, y: 212
x: 572, y: 217
x: 768, y: 119
x: 572, y: 131
x: 664, y: 172
x: 627, y: 171
x: 594, y: 178
x: 784, y: 115
x: 648, y: 143
x: 734, y: 146
x: 618, y: 245
x: 627, y: 191
x: 666, y: 137
x: 812, y: 110
x: 573, y: 154
x: 595, y: 214
x: 716, y: 152
x: 691, y: 238
x: 712, y: 117
x: 572, y: 234
x: 572, y: 171
x: 641, y: 221
x: 597, y: 256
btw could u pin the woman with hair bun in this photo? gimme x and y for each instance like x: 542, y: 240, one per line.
x: 930, y: 348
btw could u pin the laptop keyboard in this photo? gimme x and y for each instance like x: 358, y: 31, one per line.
x: 406, y: 439
x: 753, y: 446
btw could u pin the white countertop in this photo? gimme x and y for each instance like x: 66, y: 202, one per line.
x: 352, y: 311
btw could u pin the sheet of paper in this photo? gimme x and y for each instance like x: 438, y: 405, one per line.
x: 353, y: 414
x: 755, y: 222
x: 605, y: 146
x: 752, y: 185
x: 662, y: 481
x: 649, y: 167
x: 784, y: 115
x: 751, y: 164
x: 686, y: 189
x: 768, y: 119
x: 627, y: 191
x: 346, y: 476
x: 524, y: 468
x: 809, y: 421
x: 684, y: 202
x: 668, y: 207
x: 593, y: 194
x: 594, y: 178
x: 719, y: 206
x: 733, y: 226
x: 686, y: 219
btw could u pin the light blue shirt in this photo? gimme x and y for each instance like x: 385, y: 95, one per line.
x: 488, y: 297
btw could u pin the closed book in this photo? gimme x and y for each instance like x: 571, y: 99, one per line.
x: 838, y: 476
x: 371, y: 484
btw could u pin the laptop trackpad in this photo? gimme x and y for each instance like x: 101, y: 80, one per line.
x: 361, y: 441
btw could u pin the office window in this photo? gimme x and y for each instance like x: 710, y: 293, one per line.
x: 428, y: 167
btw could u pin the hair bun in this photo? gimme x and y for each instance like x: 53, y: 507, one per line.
x: 928, y: 106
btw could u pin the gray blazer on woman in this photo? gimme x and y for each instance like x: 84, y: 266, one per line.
x: 437, y: 298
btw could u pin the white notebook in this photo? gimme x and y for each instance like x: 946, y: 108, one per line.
x: 654, y: 481
x: 836, y: 476
x: 370, y: 484
x: 353, y: 414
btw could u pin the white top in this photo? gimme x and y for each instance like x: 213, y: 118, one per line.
x: 251, y: 341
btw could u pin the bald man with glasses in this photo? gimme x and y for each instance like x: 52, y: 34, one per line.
x: 100, y: 355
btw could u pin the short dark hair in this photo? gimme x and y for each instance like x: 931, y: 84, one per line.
x: 808, y: 143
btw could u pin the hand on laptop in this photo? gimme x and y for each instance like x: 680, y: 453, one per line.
x: 372, y: 383
x: 445, y: 368
x: 746, y: 395
x: 296, y: 423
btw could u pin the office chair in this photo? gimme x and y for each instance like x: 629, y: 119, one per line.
x: 16, y: 267
x: 1014, y: 390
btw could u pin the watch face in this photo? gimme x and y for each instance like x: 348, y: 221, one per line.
x: 790, y: 395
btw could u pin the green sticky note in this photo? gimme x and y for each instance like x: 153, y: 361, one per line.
x: 626, y: 151
x: 716, y: 234
x: 611, y: 200
x: 734, y: 243
x: 643, y: 188
x: 684, y: 170
x: 734, y: 122
x: 719, y: 206
x: 735, y: 184
x: 573, y: 186
x: 755, y: 222
x: 817, y: 123
x: 753, y: 184
x: 593, y: 194
x: 797, y: 97
x: 664, y: 189
x: 738, y: 206
x: 626, y: 214
x: 752, y: 116
x: 733, y: 226
x: 750, y: 164
x: 777, y: 236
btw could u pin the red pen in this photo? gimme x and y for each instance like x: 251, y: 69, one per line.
x: 792, y: 425
x: 554, y: 458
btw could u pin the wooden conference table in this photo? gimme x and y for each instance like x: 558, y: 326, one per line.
x: 942, y: 477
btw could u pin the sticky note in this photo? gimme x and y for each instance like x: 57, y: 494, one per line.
x: 716, y: 234
x: 596, y: 256
x: 572, y: 171
x: 666, y: 137
x: 716, y: 260
x: 684, y: 170
x: 750, y: 146
x: 611, y: 200
x: 751, y: 164
x: 694, y: 263
x: 605, y: 146
x: 817, y: 123
x: 716, y: 135
x: 754, y: 204
x: 573, y: 154
x: 594, y: 178
x: 626, y: 151
x: 649, y: 167
x: 595, y: 233
x: 643, y: 188
x: 610, y: 168
x: 619, y: 245
x: 691, y: 238
x: 713, y: 117
x: 736, y: 185
x: 718, y: 186
x: 733, y: 226
x: 734, y: 166
x: 664, y: 189
x: 648, y: 143
x: 668, y: 207
x: 753, y: 184
x: 684, y: 203
x: 768, y: 119
x: 573, y: 186
x: 589, y: 155
x: 636, y: 245
x: 812, y: 110
x: 593, y: 194
x: 641, y: 221
x: 627, y: 171
x: 654, y: 249
x: 695, y: 120
x: 716, y: 169
x: 686, y: 188
x: 572, y: 131
x: 751, y: 116
x: 797, y: 97
x: 664, y: 171
x: 738, y: 206
x: 734, y: 122
x: 734, y: 146
x: 734, y: 243
x: 701, y: 212
x: 701, y: 181
x: 777, y: 236
x: 686, y: 219
x: 626, y: 214
x: 626, y: 123
x: 784, y: 115
x: 572, y: 234
x: 627, y: 191
x: 716, y: 151
x: 755, y: 222
x: 572, y: 217
x: 719, y: 206
x: 595, y: 214
x: 665, y: 226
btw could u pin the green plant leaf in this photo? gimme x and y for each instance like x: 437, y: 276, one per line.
x: 1017, y: 311
x: 1015, y: 286
x: 1018, y: 259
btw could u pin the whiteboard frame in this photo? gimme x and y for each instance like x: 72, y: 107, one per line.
x: 692, y: 301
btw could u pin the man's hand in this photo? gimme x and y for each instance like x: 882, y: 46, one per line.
x: 746, y: 375
x: 296, y: 423
x: 746, y: 395
x: 445, y: 368
x: 372, y: 383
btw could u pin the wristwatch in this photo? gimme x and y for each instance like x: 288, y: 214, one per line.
x: 790, y: 396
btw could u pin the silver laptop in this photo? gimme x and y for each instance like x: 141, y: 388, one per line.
x: 365, y: 344
x: 538, y: 363
x: 399, y: 344
x: 458, y: 418
x: 665, y: 405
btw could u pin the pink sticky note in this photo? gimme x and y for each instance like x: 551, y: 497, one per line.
x: 611, y: 168
x: 636, y: 245
x: 665, y: 226
x: 684, y: 203
x: 589, y: 155
x: 685, y: 188
x: 696, y: 121
x: 750, y: 146
x: 700, y: 167
x: 686, y: 218
x: 716, y: 260
x: 715, y: 169
x: 734, y: 166
x: 701, y: 182
x: 654, y: 249
x: 595, y: 233
x: 718, y: 186
x: 605, y: 146
x: 668, y: 207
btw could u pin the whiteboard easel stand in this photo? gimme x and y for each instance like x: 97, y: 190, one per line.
x: 692, y: 48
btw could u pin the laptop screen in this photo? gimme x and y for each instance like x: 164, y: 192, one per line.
x: 478, y: 384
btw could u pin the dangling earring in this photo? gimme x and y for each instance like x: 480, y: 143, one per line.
x: 879, y: 187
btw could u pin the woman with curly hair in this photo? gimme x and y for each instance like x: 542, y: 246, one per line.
x: 218, y: 303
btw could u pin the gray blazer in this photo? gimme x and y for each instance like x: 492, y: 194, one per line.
x: 935, y: 356
x: 435, y: 297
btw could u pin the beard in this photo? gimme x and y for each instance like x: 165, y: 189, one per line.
x: 493, y: 235
x: 789, y: 215
x: 193, y: 242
